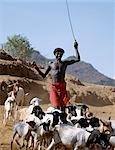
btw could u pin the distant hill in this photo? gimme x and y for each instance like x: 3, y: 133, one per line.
x: 87, y: 73
x: 84, y: 71
x: 36, y: 56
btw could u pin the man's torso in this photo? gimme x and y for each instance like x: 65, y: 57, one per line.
x: 58, y: 70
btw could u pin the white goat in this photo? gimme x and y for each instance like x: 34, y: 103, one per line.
x: 70, y: 136
x: 35, y: 101
x: 22, y: 130
x: 10, y: 109
x: 25, y: 112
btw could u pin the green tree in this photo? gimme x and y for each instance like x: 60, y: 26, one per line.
x: 18, y: 46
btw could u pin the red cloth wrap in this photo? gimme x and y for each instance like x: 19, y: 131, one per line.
x: 58, y: 94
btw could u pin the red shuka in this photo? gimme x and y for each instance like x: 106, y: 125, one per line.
x: 58, y: 94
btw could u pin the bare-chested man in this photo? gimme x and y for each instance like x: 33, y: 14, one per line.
x: 58, y: 93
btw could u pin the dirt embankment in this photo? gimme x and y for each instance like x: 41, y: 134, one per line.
x: 94, y: 95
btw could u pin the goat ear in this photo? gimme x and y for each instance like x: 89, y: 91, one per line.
x: 33, y: 111
x: 74, y: 107
x: 50, y: 113
x: 41, y: 124
x: 49, y: 121
x: 43, y: 113
x: 55, y: 113
x: 31, y: 123
x: 87, y: 108
x: 110, y: 123
x: 109, y: 118
x: 102, y: 122
x: 89, y: 131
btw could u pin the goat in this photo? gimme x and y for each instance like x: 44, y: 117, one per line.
x: 54, y: 118
x: 35, y: 101
x: 67, y: 135
x: 76, y: 112
x: 73, y: 137
x: 22, y: 130
x: 10, y: 109
x: 36, y: 116
x: 25, y: 112
x: 42, y: 126
x: 31, y: 129
x: 41, y: 133
x: 112, y: 135
x: 20, y: 96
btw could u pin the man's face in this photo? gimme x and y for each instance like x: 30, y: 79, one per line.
x: 58, y: 55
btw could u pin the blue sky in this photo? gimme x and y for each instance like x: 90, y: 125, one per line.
x: 46, y: 25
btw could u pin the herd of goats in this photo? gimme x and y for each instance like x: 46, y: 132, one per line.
x: 74, y: 128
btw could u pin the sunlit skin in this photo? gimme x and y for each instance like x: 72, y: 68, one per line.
x: 58, y: 67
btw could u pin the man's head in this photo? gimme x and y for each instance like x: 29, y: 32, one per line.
x: 58, y: 52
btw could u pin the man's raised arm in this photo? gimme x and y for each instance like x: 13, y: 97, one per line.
x: 77, y: 52
x: 77, y: 58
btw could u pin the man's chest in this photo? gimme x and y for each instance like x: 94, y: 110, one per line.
x: 58, y: 66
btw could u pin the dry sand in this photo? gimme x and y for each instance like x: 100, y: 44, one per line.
x: 100, y: 100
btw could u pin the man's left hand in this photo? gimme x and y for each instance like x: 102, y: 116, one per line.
x: 75, y: 44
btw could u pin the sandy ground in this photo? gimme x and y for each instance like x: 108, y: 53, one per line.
x: 97, y: 104
x: 6, y: 132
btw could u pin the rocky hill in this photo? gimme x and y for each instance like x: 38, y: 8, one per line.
x: 84, y: 71
x: 87, y: 73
